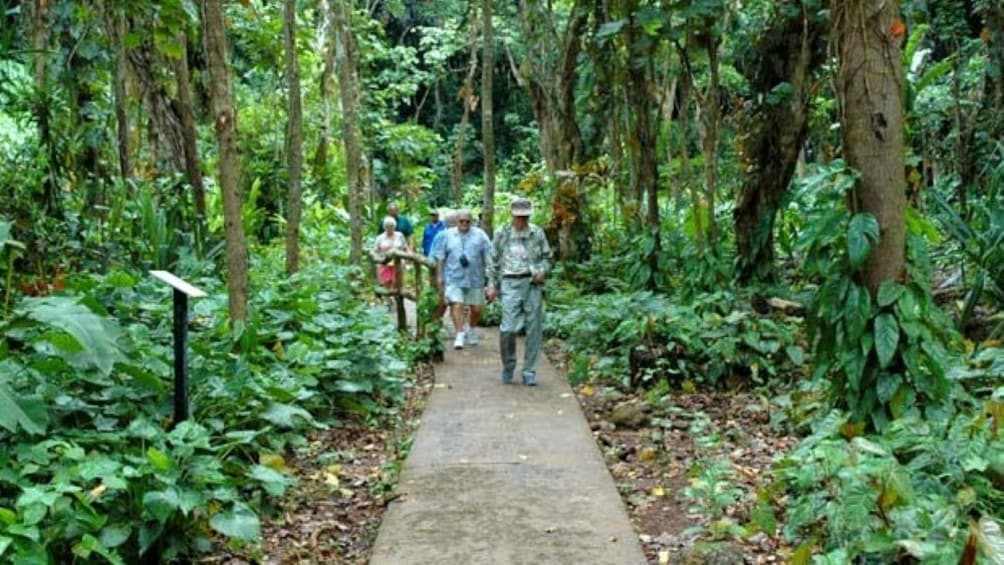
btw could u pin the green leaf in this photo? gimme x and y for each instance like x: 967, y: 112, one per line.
x: 862, y: 233
x: 115, y: 535
x: 286, y: 415
x: 160, y: 460
x: 889, y: 292
x: 886, y: 338
x: 796, y: 354
x: 161, y: 504
x: 97, y: 336
x: 353, y: 386
x: 888, y: 384
x: 240, y: 523
x: 610, y: 28
x: 5, y: 543
x: 4, y: 233
x: 275, y: 483
x: 28, y: 413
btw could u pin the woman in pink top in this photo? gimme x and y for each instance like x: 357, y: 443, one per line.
x: 390, y: 239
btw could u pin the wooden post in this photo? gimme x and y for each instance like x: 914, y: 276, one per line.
x: 419, y: 319
x: 402, y: 316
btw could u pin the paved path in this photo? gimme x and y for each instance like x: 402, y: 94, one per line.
x: 503, y: 474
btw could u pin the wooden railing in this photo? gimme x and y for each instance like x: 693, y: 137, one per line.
x: 423, y: 267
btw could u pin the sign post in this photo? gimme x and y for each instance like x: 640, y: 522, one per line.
x: 182, y: 291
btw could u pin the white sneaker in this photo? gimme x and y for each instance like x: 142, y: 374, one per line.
x: 458, y: 343
x: 471, y: 337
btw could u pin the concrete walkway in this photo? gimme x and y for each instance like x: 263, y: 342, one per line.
x: 503, y: 474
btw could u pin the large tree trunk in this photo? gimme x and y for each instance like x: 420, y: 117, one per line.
x: 186, y: 109
x: 773, y: 131
x: 487, y: 128
x: 469, y: 102
x: 642, y: 144
x: 294, y: 143
x: 351, y: 136
x: 870, y: 91
x: 225, y: 120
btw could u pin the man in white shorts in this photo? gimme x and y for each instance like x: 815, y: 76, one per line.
x: 462, y: 257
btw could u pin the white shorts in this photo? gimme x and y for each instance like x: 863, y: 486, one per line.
x: 469, y: 296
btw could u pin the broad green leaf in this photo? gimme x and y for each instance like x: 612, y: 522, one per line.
x: 796, y: 354
x: 889, y: 292
x: 862, y: 233
x: 886, y: 338
x: 888, y: 384
x: 240, y: 523
x: 96, y: 336
x: 161, y: 504
x: 115, y: 535
x: 610, y: 28
x: 17, y: 411
x: 4, y: 544
x: 286, y: 415
x: 89, y: 544
x: 160, y: 460
x: 352, y: 386
x: 274, y: 482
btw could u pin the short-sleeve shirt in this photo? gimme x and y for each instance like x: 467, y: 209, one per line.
x: 429, y: 236
x: 455, y: 244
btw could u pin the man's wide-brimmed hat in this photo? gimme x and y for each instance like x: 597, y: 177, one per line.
x: 522, y: 207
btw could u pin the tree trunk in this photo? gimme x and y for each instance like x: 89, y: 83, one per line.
x: 642, y: 144
x: 193, y: 170
x: 37, y: 15
x: 348, y: 88
x: 294, y: 143
x: 549, y: 75
x: 324, y: 88
x: 117, y: 25
x: 773, y: 131
x: 487, y: 128
x: 993, y: 94
x: 225, y: 120
x: 686, y: 85
x: 469, y: 102
x: 870, y: 91
x: 711, y: 121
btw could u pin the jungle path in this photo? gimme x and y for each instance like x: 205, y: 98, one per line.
x: 503, y: 474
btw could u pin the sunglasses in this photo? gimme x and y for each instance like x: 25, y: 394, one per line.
x: 463, y: 221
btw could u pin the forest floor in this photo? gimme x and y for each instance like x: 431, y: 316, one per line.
x: 345, y: 478
x: 654, y: 453
x: 721, y: 445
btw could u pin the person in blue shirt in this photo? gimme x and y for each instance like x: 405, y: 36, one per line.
x: 462, y: 257
x: 429, y: 234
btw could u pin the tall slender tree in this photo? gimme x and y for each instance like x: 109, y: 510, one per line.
x: 470, y: 102
x: 225, y: 121
x: 348, y: 86
x: 294, y: 140
x: 867, y: 34
x: 487, y: 128
x: 190, y: 136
